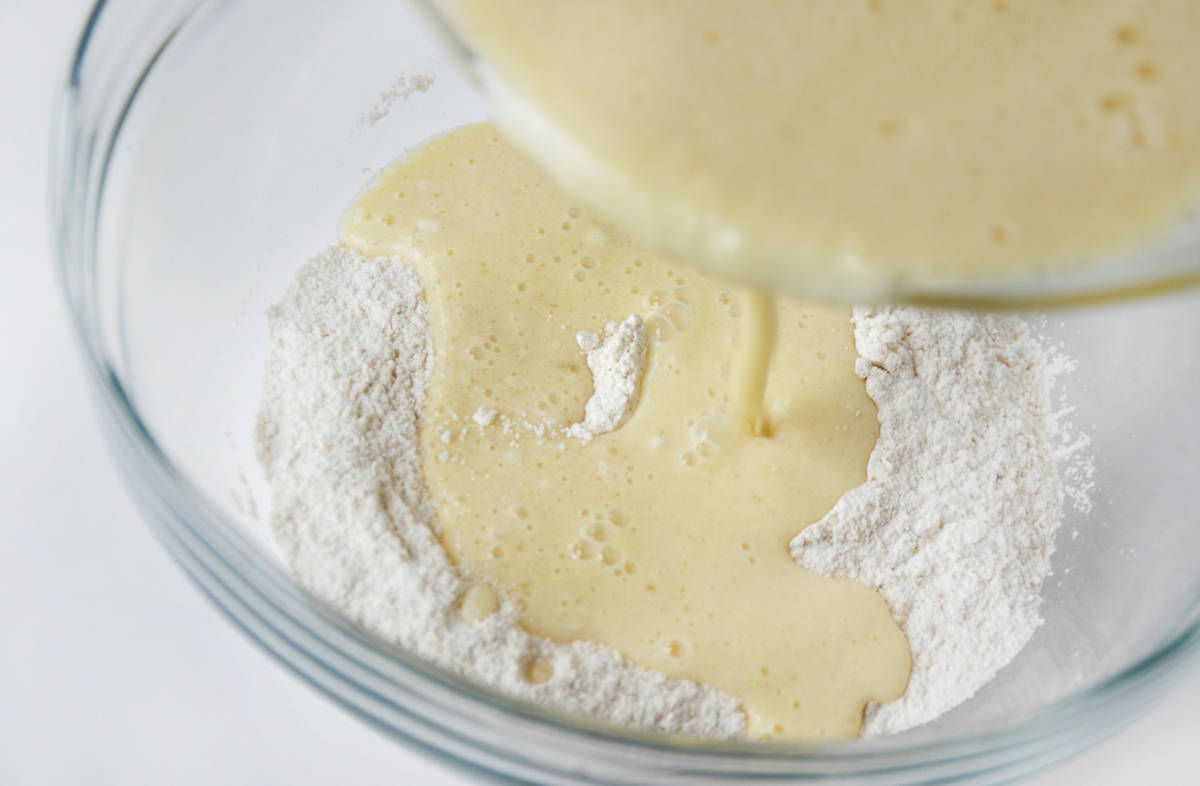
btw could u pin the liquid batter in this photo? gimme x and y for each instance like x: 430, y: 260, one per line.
x: 849, y: 149
x: 757, y: 332
x: 666, y: 538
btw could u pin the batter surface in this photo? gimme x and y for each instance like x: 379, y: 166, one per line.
x: 853, y: 148
x: 666, y: 538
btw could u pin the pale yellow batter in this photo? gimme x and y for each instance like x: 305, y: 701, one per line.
x: 856, y: 148
x: 757, y: 333
x: 667, y: 538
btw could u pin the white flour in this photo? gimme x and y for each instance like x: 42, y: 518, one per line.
x: 484, y: 416
x: 954, y: 524
x: 616, y: 360
x: 400, y: 89
x: 337, y: 433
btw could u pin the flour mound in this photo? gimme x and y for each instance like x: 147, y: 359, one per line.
x: 337, y: 433
x: 955, y: 524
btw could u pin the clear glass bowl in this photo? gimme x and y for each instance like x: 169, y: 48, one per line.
x: 204, y: 150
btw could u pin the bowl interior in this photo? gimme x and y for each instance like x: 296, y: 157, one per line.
x: 259, y: 123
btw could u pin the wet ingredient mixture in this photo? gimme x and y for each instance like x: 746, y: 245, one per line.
x: 857, y: 149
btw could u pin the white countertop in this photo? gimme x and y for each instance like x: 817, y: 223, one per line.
x: 113, y: 668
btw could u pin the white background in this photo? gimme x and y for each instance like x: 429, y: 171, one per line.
x: 113, y: 669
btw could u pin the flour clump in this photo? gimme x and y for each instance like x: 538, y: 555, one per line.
x: 617, y: 360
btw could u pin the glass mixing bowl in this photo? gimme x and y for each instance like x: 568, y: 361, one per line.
x: 204, y: 150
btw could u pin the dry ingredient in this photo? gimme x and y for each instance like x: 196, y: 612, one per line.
x: 617, y: 360
x: 337, y: 434
x: 954, y: 525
